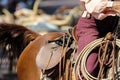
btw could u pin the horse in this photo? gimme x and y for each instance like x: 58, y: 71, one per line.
x: 34, y: 57
x: 11, y: 35
x: 24, y: 44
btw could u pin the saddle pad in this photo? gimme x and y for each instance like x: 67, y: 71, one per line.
x: 49, y: 56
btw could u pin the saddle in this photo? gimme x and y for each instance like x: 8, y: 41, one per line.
x: 44, y: 53
x: 75, y: 37
x: 51, y: 53
x: 26, y: 65
x: 54, y: 54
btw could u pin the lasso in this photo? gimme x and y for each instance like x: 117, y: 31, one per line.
x: 81, y: 61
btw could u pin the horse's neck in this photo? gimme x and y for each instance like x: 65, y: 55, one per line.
x: 26, y: 67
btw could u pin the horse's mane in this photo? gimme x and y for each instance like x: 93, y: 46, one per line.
x: 14, y: 38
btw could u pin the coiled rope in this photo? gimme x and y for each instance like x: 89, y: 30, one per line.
x: 80, y: 63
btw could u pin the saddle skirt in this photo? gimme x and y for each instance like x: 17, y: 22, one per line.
x: 49, y: 56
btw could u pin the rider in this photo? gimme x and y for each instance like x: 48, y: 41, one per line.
x: 98, y: 18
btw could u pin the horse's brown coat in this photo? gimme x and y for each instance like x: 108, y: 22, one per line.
x: 26, y: 67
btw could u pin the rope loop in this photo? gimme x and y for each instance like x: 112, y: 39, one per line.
x: 108, y: 58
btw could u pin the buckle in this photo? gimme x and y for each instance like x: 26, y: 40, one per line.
x: 86, y: 14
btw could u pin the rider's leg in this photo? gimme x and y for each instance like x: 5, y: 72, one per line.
x: 87, y: 32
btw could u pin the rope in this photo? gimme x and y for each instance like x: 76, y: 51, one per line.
x: 82, y: 57
x: 106, y: 58
x: 64, y: 51
x: 65, y: 46
x: 61, y: 56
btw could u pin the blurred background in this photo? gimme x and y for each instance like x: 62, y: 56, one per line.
x: 41, y: 16
x: 49, y: 6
